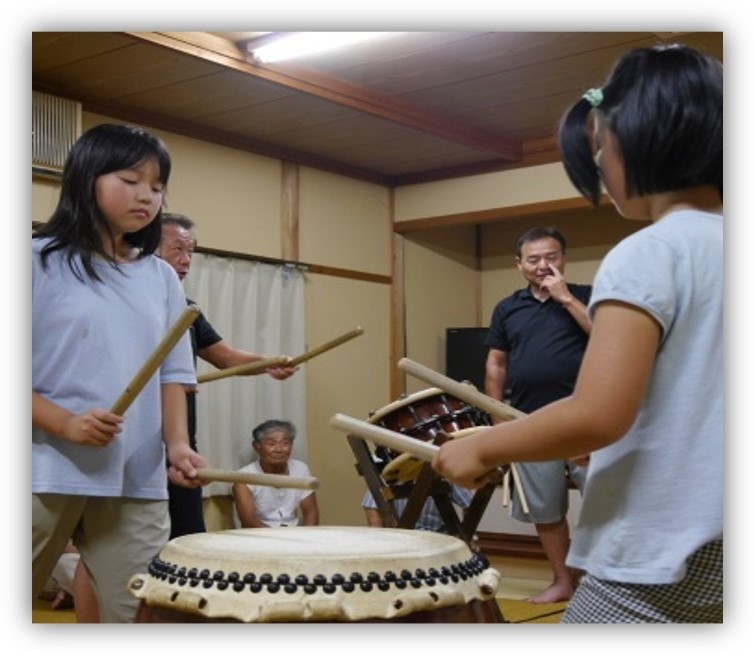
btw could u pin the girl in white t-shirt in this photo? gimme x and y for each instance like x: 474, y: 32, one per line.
x: 101, y: 303
x: 648, y: 403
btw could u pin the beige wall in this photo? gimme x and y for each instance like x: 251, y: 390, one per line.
x: 344, y: 223
x: 233, y: 196
x: 351, y: 379
x: 479, y: 192
x: 44, y: 197
x: 441, y: 284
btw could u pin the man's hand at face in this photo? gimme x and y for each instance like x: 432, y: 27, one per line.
x: 555, y: 285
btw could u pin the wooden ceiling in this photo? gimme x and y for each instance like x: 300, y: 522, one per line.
x: 416, y: 106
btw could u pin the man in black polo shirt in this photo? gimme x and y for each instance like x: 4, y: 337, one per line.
x: 536, y: 342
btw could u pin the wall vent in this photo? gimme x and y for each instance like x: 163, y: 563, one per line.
x: 55, y: 126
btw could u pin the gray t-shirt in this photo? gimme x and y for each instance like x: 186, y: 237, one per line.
x: 656, y: 495
x: 88, y: 341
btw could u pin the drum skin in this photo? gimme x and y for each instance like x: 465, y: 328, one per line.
x: 317, y: 574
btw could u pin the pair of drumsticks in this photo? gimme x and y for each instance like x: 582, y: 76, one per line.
x: 156, y: 358
x: 422, y: 450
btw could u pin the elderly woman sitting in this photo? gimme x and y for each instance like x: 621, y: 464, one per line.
x: 262, y: 506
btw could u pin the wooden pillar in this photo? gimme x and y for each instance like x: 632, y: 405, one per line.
x: 398, y: 318
x: 289, y: 220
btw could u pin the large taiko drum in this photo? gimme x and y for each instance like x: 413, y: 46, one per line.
x: 318, y: 574
x: 422, y: 415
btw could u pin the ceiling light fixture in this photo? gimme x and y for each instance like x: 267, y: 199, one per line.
x: 301, y: 44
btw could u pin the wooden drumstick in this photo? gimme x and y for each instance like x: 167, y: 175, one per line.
x: 519, y: 489
x: 506, y: 495
x: 261, y: 479
x: 470, y: 394
x: 466, y: 392
x: 261, y: 365
x: 326, y: 346
x: 253, y: 368
x: 143, y: 375
x: 420, y: 449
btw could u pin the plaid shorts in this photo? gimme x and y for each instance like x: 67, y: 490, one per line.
x: 698, y: 598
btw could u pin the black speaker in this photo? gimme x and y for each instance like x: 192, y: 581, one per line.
x: 466, y: 353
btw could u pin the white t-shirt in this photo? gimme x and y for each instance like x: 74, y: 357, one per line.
x: 656, y: 495
x: 278, y: 507
x: 88, y: 341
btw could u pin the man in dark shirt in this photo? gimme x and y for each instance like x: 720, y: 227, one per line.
x: 536, y: 341
x: 177, y: 247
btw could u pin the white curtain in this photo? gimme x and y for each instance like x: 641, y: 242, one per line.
x: 259, y: 308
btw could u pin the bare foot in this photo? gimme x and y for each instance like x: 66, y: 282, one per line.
x: 556, y: 593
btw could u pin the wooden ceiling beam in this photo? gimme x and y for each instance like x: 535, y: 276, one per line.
x: 559, y: 207
x: 220, y: 51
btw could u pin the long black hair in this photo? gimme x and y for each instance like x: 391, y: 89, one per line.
x: 664, y: 105
x: 77, y: 224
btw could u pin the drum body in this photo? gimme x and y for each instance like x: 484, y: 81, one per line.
x: 317, y: 574
x: 423, y: 415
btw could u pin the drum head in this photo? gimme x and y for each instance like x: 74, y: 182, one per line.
x: 314, y: 574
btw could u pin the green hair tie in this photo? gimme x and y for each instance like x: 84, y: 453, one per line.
x: 594, y: 97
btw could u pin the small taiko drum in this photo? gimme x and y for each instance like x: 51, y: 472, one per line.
x: 422, y: 415
x: 317, y: 574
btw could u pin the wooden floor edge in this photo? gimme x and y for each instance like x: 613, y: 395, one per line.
x: 510, y: 545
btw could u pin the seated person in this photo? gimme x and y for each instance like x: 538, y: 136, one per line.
x: 429, y: 518
x: 261, y: 506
